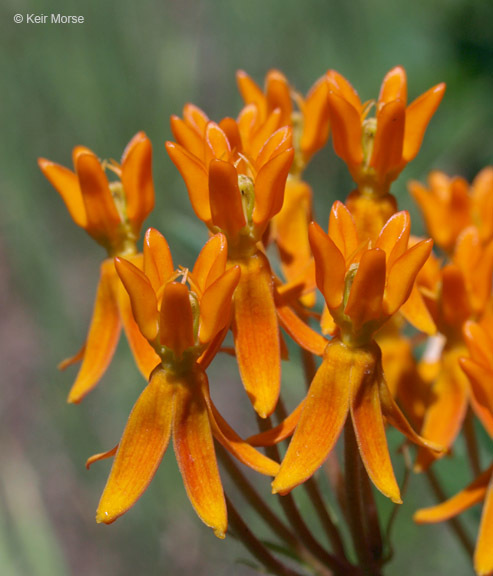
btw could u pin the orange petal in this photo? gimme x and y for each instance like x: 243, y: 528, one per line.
x: 342, y: 230
x: 196, y: 179
x: 141, y: 449
x: 225, y: 198
x: 300, y: 332
x: 158, y: 263
x: 216, y: 303
x: 250, y: 91
x: 256, y: 334
x: 366, y: 413
x: 462, y: 501
x: 394, y: 86
x: 389, y: 138
x: 346, y: 130
x: 102, y: 216
x: 101, y: 456
x: 483, y: 555
x: 194, y: 449
x: 176, y: 318
x: 211, y: 261
x: 279, y: 141
x: 416, y: 312
x: 365, y: 298
x: 279, y: 432
x: 75, y: 359
x: 418, y: 116
x: 102, y: 337
x: 316, y: 119
x: 232, y: 132
x: 66, y: 184
x: 340, y: 86
x: 259, y: 137
x: 217, y: 145
x: 394, y: 236
x: 322, y: 418
x: 278, y: 94
x: 403, y: 273
x: 142, y: 297
x: 330, y: 267
x: 455, y: 301
x: 269, y: 187
x: 187, y: 136
x: 481, y: 380
x: 195, y: 117
x: 479, y: 343
x: 137, y: 179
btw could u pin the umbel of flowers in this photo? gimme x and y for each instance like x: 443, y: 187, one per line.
x: 245, y: 181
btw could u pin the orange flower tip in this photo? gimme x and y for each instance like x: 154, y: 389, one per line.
x: 74, y: 399
x: 220, y: 533
x: 104, y: 517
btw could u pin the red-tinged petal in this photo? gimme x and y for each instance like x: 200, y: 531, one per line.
x: 176, y: 318
x: 389, y: 138
x: 232, y: 132
x: 217, y: 145
x: 330, y: 267
x: 195, y: 117
x: 416, y: 312
x: 225, y: 198
x: 196, y: 457
x: 418, y: 116
x: 158, y: 262
x: 462, y: 501
x: 278, y: 94
x: 137, y: 179
x: 340, y: 86
x: 403, y: 273
x: 142, y: 297
x: 455, y: 302
x: 141, y: 449
x: 269, y: 187
x: 483, y: 555
x: 279, y: 141
x: 102, y: 338
x: 322, y: 418
x: 196, y: 179
x: 394, y: 236
x: 366, y: 414
x: 102, y: 216
x: 66, y: 184
x: 216, y: 303
x: 256, y: 334
x: 445, y: 414
x: 187, y: 136
x: 346, y: 130
x: 300, y: 332
x: 366, y: 295
x: 316, y: 124
x: 280, y: 432
x: 481, y: 380
x: 342, y: 230
x: 394, y: 86
x: 211, y: 261
x: 250, y: 91
x: 101, y: 456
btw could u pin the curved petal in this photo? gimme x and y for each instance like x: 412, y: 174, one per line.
x: 101, y: 456
x: 225, y: 198
x: 217, y: 144
x: 278, y: 94
x: 141, y: 448
x: 346, y: 130
x: 187, y: 136
x: 342, y: 230
x: 195, y: 117
x: 158, y: 263
x: 300, y: 332
x: 389, y: 138
x: 394, y: 236
x: 340, y: 86
x: 250, y: 91
x: 211, y: 261
x: 394, y: 86
x: 176, y: 318
x: 481, y: 380
x: 103, y: 335
x: 196, y: 457
x: 279, y: 141
x: 259, y: 137
x: 323, y: 415
x: 256, y: 334
x: 483, y: 555
x: 280, y: 432
x: 316, y: 124
x: 416, y: 312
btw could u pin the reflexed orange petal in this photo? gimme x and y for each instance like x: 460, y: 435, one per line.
x: 196, y: 457
x: 66, y: 184
x: 250, y: 91
x: 187, y: 137
x: 211, y: 262
x: 346, y: 130
x: 196, y: 179
x: 365, y: 298
x: 225, y: 198
x: 389, y: 138
x: 279, y: 432
x: 176, y: 318
x: 216, y: 303
x: 142, y: 297
x: 330, y: 267
x: 418, y: 116
x: 278, y: 94
x: 462, y: 501
x: 101, y: 456
x: 316, y: 119
x: 483, y: 556
x: 141, y: 449
x: 322, y: 418
x: 366, y: 414
x: 300, y: 332
x: 269, y: 187
x: 394, y: 236
x: 256, y: 334
x: 342, y: 230
x: 102, y: 337
x: 394, y: 86
x: 416, y: 312
x: 158, y: 263
x: 137, y: 179
x: 101, y: 212
x: 403, y: 273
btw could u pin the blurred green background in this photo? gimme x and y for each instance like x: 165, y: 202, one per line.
x: 127, y: 68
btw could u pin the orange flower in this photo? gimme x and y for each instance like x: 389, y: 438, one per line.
x: 450, y: 205
x: 479, y: 490
x: 112, y: 213
x: 377, y: 149
x: 363, y: 287
x: 186, y: 325
x: 236, y: 179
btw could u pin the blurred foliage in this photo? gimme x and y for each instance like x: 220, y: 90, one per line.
x: 127, y: 68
